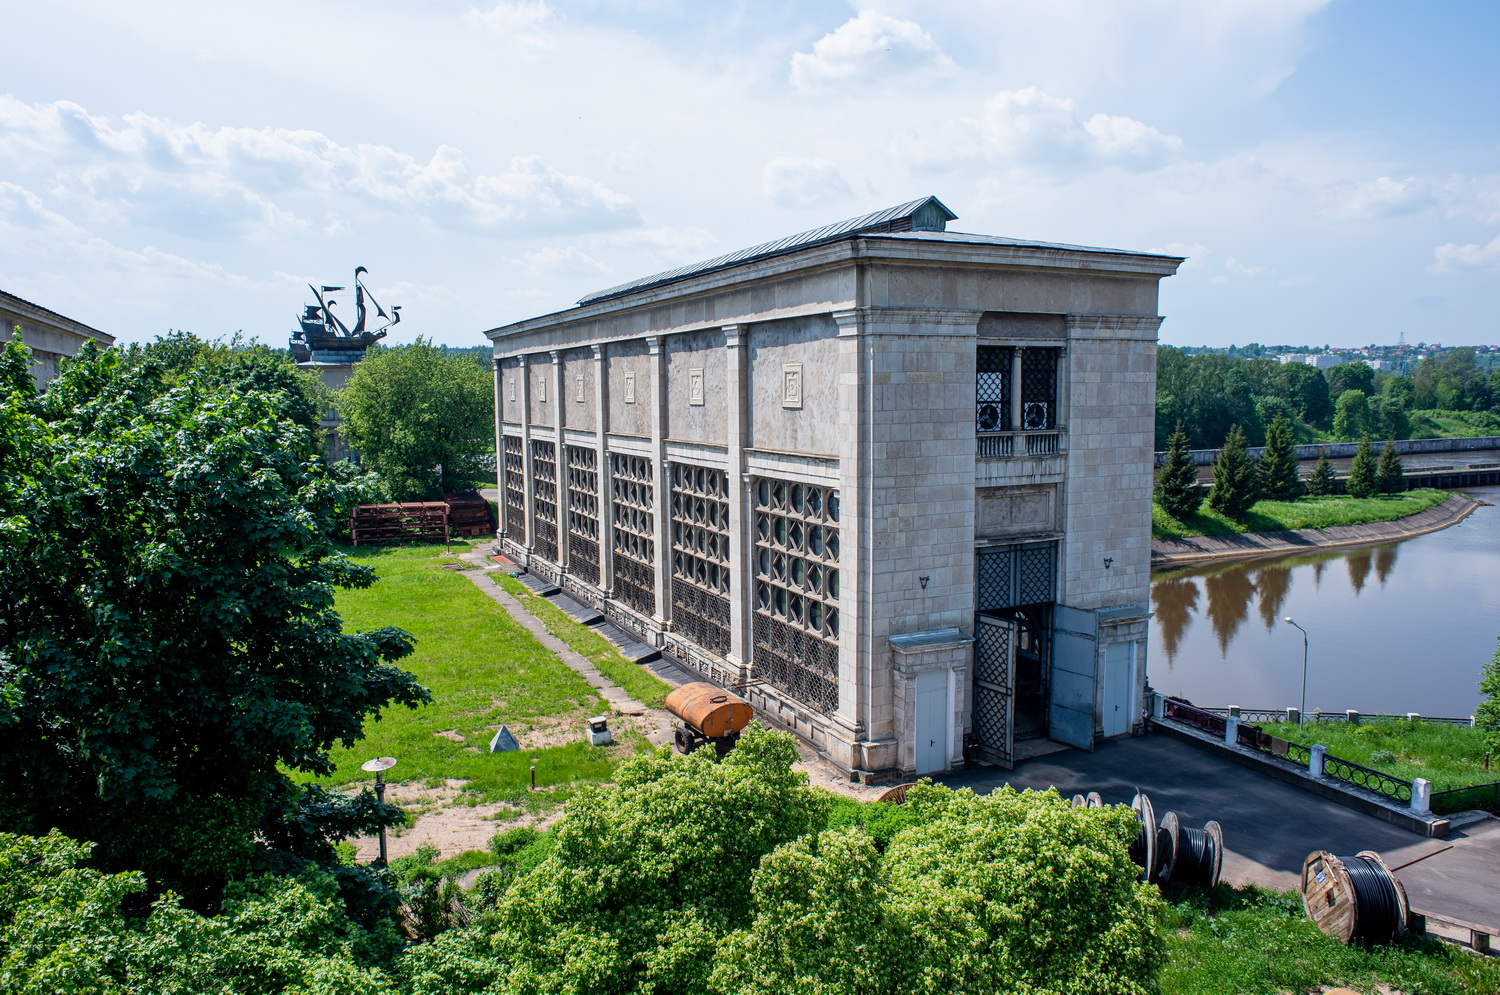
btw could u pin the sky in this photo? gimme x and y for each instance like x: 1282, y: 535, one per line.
x: 1330, y: 168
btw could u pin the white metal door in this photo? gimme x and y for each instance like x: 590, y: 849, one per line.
x: 1118, y: 667
x: 932, y: 721
x: 1074, y: 670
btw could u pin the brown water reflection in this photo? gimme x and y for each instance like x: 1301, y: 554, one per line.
x: 1401, y: 627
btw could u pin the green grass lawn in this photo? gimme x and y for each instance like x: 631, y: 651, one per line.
x: 1448, y: 756
x: 1254, y: 942
x: 483, y: 670
x: 1304, y: 513
x: 640, y: 684
x: 1437, y: 423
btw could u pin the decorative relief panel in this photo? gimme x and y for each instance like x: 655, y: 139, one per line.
x: 630, y: 388
x: 583, y: 513
x: 791, y: 385
x: 695, y: 387
x: 544, y: 499
x: 700, y: 555
x: 634, y: 554
x: 796, y: 615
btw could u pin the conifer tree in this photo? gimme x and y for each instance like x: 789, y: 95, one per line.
x: 1389, y: 476
x: 1276, y: 470
x: 1177, y: 489
x: 1234, y: 489
x: 1320, y: 482
x: 1361, y: 482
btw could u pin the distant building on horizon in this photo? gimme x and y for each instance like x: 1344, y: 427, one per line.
x: 49, y: 335
x: 1321, y: 360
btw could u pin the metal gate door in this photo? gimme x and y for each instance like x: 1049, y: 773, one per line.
x: 994, y: 688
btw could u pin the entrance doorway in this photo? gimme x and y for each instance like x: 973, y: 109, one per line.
x: 931, y: 721
x: 995, y: 688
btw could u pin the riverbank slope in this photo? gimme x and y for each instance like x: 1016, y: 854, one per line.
x: 1177, y: 552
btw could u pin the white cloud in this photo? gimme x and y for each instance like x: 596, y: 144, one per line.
x: 236, y: 182
x: 521, y: 21
x: 803, y: 182
x: 562, y: 261
x: 866, y: 50
x: 1382, y: 197
x: 1453, y: 256
x: 1030, y: 128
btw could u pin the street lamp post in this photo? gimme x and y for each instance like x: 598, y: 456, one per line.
x: 1303, y: 710
x: 379, y: 766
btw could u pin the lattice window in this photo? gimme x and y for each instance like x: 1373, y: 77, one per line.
x: 515, y: 489
x: 583, y: 513
x: 544, y: 499
x: 992, y: 394
x: 634, y: 555
x: 700, y: 555
x: 1010, y: 576
x: 796, y: 615
x: 1039, y: 388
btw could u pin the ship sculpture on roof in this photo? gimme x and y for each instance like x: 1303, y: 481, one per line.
x: 321, y: 331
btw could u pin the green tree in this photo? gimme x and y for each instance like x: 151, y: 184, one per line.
x: 1389, y: 477
x: 1321, y: 480
x: 1177, y: 487
x: 1234, y: 488
x: 956, y: 904
x: 1351, y: 416
x: 1350, y: 376
x: 421, y: 420
x: 1388, y: 419
x: 1276, y: 470
x: 1361, y: 482
x: 170, y: 645
x: 1488, y: 713
x: 1307, y: 390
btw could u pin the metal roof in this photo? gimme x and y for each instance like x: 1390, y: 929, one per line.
x: 927, y: 214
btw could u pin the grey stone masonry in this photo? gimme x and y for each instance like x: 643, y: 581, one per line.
x: 833, y: 383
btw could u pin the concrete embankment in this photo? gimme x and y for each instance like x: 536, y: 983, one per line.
x: 1179, y: 552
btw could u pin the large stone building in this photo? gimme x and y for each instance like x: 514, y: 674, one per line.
x: 893, y: 482
x: 49, y: 335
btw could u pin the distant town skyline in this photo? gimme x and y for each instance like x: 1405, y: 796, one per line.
x: 1328, y: 167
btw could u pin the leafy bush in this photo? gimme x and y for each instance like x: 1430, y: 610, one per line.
x: 1378, y: 757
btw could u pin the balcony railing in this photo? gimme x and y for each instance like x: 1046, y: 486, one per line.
x: 1006, y: 445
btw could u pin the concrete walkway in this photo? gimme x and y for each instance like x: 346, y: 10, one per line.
x: 1269, y: 827
x: 1179, y: 552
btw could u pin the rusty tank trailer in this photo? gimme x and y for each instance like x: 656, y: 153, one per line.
x: 709, y: 715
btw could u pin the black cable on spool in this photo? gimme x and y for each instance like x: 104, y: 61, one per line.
x: 1198, y: 857
x: 1377, y: 916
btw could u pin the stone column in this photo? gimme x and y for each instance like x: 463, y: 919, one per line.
x: 560, y: 452
x: 1015, y: 391
x: 528, y: 481
x: 606, y: 475
x: 855, y: 720
x: 741, y: 558
x: 660, y: 503
x: 499, y: 454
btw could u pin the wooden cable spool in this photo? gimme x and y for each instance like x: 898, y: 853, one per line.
x: 1143, y: 849
x: 1368, y: 904
x: 896, y: 795
x: 1093, y: 800
x: 1079, y: 801
x: 1168, y: 833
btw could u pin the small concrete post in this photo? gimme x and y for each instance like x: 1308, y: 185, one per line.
x: 1232, y: 731
x: 1157, y: 706
x: 1234, y: 710
x: 1472, y: 723
x: 1421, y: 796
x: 1294, y: 716
x: 1315, y: 761
x: 1352, y: 717
x: 1413, y: 717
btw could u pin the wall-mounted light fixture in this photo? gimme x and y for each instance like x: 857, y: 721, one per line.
x: 1109, y: 561
x: 924, y: 580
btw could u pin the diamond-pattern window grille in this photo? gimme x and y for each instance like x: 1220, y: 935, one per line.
x: 632, y: 494
x: 515, y: 488
x: 544, y: 480
x: 583, y: 513
x: 1010, y: 576
x: 994, y: 685
x: 700, y: 555
x: 1039, y: 388
x: 796, y: 612
x: 992, y: 393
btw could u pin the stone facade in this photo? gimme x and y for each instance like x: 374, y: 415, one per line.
x: 49, y: 335
x: 893, y: 484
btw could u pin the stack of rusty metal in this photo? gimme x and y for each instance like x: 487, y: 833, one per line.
x: 469, y: 514
x: 394, y: 522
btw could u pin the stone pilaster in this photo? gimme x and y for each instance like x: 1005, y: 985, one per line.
x: 528, y: 481
x: 606, y: 473
x: 560, y: 453
x: 663, y: 484
x: 499, y: 455
x: 741, y: 560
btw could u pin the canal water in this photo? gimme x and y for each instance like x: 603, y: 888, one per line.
x: 1403, y: 627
